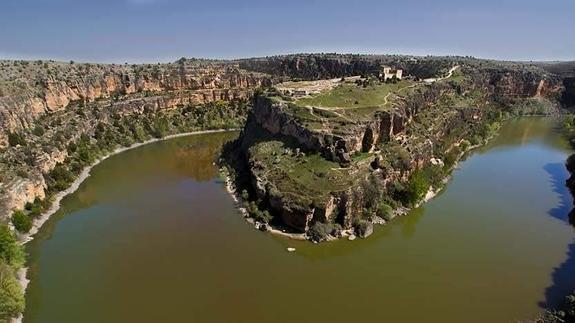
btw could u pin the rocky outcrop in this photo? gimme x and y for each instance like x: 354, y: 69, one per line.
x: 422, y: 125
x: 276, y: 117
x: 17, y: 193
x: 508, y: 84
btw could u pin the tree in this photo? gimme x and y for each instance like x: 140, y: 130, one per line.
x: 319, y: 231
x: 11, y: 251
x: 15, y: 139
x: 21, y: 221
x: 11, y: 294
x: 417, y: 187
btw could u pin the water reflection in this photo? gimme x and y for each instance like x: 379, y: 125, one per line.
x: 562, y: 275
x: 558, y: 175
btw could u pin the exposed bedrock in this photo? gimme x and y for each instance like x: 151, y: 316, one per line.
x: 275, y: 117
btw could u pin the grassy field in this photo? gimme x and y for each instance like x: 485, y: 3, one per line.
x: 458, y: 77
x: 350, y: 95
x: 308, y: 176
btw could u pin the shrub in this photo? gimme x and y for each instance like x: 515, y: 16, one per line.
x: 245, y: 195
x: 361, y: 227
x: 36, y: 208
x: 464, y: 145
x: 434, y: 175
x: 11, y: 251
x: 11, y: 294
x: 15, y: 139
x: 38, y: 131
x: 385, y: 211
x: 414, y: 190
x: 451, y: 158
x: 319, y: 231
x: 60, y: 177
x: 255, y: 213
x: 21, y: 221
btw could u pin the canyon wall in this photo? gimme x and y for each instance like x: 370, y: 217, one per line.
x: 68, y: 100
x: 185, y: 82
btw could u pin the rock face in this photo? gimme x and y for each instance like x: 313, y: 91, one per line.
x: 21, y: 191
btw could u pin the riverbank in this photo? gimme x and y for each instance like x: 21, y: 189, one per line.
x: 55, y: 205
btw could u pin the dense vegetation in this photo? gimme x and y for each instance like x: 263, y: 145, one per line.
x: 11, y: 259
x: 118, y: 131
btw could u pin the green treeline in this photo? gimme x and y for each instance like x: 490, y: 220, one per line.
x: 11, y: 259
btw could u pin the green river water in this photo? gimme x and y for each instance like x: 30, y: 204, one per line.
x: 152, y: 236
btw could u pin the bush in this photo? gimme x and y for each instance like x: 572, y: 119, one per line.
x: 60, y: 178
x: 35, y: 209
x: 38, y: 131
x: 10, y: 250
x: 21, y: 221
x: 385, y: 211
x: 245, y: 195
x: 451, y: 158
x: 15, y: 139
x: 255, y: 213
x: 319, y: 231
x: 11, y: 294
x: 414, y: 190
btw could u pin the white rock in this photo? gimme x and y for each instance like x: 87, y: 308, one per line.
x: 290, y: 249
x: 351, y: 237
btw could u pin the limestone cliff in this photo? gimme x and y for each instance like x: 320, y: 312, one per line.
x: 50, y: 105
x: 49, y: 87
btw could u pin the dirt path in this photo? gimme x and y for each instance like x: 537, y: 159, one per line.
x: 449, y: 74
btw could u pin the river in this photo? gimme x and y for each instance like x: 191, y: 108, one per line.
x: 152, y: 236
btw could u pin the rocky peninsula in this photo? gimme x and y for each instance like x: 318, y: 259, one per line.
x: 329, y: 158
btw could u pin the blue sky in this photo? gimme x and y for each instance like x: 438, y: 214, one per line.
x: 164, y: 30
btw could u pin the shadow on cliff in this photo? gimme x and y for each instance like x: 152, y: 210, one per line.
x: 563, y: 280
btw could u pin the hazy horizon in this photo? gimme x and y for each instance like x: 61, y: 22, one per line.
x: 149, y: 31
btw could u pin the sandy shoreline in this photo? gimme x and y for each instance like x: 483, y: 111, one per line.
x: 55, y: 206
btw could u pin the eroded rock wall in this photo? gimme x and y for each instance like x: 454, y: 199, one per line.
x: 170, y: 85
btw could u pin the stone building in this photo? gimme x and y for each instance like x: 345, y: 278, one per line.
x: 387, y: 74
